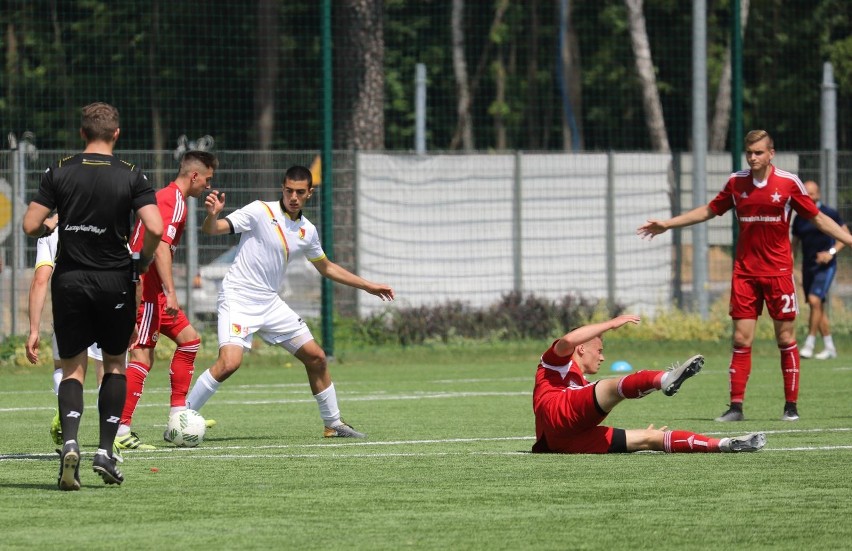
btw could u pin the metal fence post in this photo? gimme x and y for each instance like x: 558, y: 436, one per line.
x: 327, y: 225
x: 610, y: 231
x: 517, y: 227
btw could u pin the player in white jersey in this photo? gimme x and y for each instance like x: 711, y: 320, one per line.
x: 45, y: 261
x: 273, y: 234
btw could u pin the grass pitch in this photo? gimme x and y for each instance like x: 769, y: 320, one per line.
x: 446, y: 464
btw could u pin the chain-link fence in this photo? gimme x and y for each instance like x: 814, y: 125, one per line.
x: 482, y: 79
x: 467, y: 228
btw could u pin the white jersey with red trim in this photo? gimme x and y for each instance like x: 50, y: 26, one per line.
x: 269, y: 240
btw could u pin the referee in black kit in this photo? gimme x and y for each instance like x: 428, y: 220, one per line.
x: 93, y: 289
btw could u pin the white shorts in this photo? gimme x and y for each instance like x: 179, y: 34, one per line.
x: 275, y: 322
x: 93, y: 352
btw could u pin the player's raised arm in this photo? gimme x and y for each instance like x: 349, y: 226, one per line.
x: 214, y: 203
x: 655, y: 227
x: 571, y: 340
x: 828, y: 226
x: 336, y: 273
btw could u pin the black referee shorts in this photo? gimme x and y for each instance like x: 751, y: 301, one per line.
x: 93, y: 306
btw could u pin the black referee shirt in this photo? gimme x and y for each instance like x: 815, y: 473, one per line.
x: 96, y: 197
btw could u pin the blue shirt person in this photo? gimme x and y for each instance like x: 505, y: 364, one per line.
x: 819, y: 264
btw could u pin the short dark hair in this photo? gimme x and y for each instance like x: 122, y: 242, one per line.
x: 195, y: 157
x: 299, y: 173
x: 99, y: 121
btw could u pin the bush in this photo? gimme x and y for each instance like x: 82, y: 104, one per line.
x: 514, y: 317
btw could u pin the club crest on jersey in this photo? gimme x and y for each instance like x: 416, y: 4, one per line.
x: 744, y: 195
x: 238, y: 330
x: 301, y: 233
x: 776, y: 197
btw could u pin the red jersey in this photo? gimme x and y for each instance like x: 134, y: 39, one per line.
x: 173, y: 210
x: 555, y: 373
x: 567, y: 417
x: 763, y: 214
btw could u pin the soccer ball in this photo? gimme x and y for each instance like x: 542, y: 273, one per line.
x: 186, y: 428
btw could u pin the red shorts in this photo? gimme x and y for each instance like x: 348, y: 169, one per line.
x: 154, y: 321
x: 748, y: 293
x: 569, y: 422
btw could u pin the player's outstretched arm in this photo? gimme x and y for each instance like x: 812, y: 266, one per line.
x: 571, y: 340
x: 338, y: 274
x: 828, y: 226
x: 655, y: 227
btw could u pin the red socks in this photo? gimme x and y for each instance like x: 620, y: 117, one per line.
x: 639, y: 384
x: 790, y: 369
x: 180, y: 373
x: 181, y: 370
x: 136, y: 374
x: 683, y: 441
x: 739, y: 371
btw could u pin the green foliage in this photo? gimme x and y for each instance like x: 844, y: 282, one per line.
x: 12, y: 351
x: 522, y: 318
x: 148, y: 57
x: 515, y: 317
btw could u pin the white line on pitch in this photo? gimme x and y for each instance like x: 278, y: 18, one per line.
x: 310, y: 400
x: 379, y: 455
x: 150, y: 454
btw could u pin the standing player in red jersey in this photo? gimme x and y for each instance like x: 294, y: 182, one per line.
x: 762, y: 198
x: 569, y: 409
x: 159, y: 311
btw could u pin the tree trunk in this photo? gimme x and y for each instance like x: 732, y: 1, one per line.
x: 464, y: 130
x: 647, y: 77
x: 722, y: 107
x: 467, y: 87
x: 12, y: 70
x: 359, y: 76
x: 533, y: 108
x: 62, y: 80
x: 157, y: 131
x: 265, y: 87
x: 499, y: 107
x: 359, y: 118
x: 572, y: 78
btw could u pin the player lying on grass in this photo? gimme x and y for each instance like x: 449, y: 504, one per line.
x: 569, y: 409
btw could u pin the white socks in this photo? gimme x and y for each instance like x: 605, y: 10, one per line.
x: 327, y: 402
x: 810, y: 341
x: 206, y: 386
x: 828, y: 342
x: 57, y: 378
x: 203, y: 389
